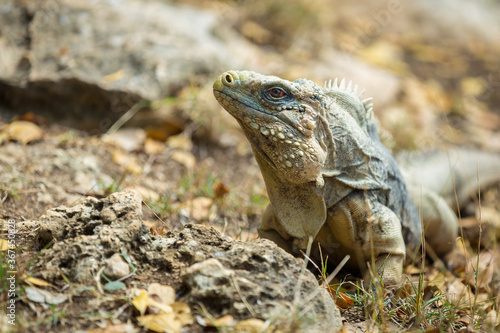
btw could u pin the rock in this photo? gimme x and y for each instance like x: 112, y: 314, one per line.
x: 83, y: 58
x: 119, y: 215
x: 247, y: 280
x: 257, y: 279
x: 90, y: 235
x: 116, y: 267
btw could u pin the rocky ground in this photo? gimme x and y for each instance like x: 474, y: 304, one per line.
x: 136, y: 199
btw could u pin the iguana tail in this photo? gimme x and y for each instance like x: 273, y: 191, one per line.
x: 438, y: 181
x: 457, y: 175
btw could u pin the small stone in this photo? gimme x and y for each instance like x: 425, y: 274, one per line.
x: 116, y: 267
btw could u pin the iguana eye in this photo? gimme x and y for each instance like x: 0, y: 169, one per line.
x: 277, y: 93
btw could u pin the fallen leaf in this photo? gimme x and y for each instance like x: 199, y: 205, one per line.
x: 130, y: 139
x: 31, y: 117
x: 341, y: 299
x: 165, y: 293
x: 473, y: 86
x: 24, y: 131
x: 118, y: 75
x: 165, y: 322
x: 126, y: 160
x: 181, y: 141
x: 492, y: 318
x: 227, y: 321
x: 199, y: 208
x: 220, y: 190
x: 118, y: 328
x: 152, y: 147
x: 141, y: 302
x: 185, y: 158
x: 457, y: 292
x: 250, y: 326
x: 43, y: 296
x: 37, y: 282
x: 4, y: 245
x: 183, y: 313
x: 484, y: 267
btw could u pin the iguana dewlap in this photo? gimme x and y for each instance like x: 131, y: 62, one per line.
x: 329, y: 177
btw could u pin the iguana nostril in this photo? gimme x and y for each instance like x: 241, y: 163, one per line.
x: 229, y: 78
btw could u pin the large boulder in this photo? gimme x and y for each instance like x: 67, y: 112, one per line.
x: 83, y: 58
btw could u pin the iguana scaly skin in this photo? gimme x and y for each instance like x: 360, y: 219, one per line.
x: 328, y: 176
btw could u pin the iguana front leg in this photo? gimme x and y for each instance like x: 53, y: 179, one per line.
x: 364, y: 228
x: 271, y: 229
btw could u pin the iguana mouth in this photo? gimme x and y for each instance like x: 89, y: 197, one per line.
x: 246, y: 127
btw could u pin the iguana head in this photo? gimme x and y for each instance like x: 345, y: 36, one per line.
x: 283, y: 120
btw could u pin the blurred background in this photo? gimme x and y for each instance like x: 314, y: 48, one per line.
x: 118, y: 93
x: 432, y: 67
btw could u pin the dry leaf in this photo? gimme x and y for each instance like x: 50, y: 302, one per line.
x: 485, y: 267
x: 185, y: 158
x: 141, y: 302
x: 341, y: 299
x: 118, y: 328
x: 473, y: 86
x: 24, y: 131
x: 227, y: 321
x: 43, y: 296
x: 165, y: 293
x: 118, y: 75
x: 199, y: 208
x: 439, y: 281
x: 160, y: 307
x: 180, y: 141
x: 183, y: 313
x: 171, y: 322
x: 130, y: 139
x: 126, y: 160
x: 250, y: 326
x: 152, y: 147
x: 147, y: 302
x: 492, y: 318
x: 220, y: 190
x: 37, y: 282
x: 4, y: 245
x: 165, y: 322
x: 457, y: 292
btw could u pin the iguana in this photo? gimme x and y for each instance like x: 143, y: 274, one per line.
x: 330, y: 178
